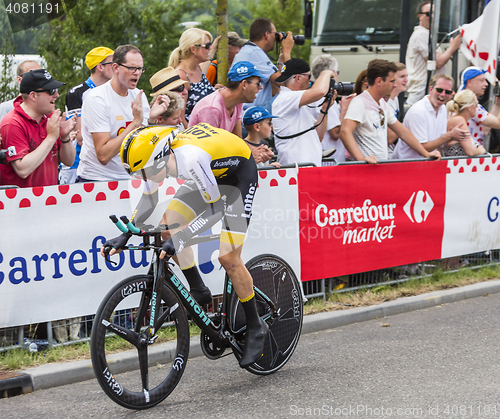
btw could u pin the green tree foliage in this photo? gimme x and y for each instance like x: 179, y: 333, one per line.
x: 151, y: 25
x: 8, y: 87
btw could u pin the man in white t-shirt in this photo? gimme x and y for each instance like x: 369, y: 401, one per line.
x: 427, y: 120
x: 295, y: 136
x: 417, y: 55
x: 364, y: 130
x: 474, y: 79
x: 109, y: 113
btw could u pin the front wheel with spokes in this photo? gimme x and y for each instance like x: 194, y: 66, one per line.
x: 122, y: 320
x: 276, y: 279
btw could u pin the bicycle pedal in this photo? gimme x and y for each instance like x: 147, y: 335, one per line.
x: 152, y: 340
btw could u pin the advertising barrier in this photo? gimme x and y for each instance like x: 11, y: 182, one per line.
x: 324, y: 221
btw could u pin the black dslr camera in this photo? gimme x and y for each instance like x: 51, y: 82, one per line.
x: 3, y: 156
x: 298, y: 39
x: 343, y: 89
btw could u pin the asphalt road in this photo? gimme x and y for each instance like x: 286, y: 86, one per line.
x: 442, y: 362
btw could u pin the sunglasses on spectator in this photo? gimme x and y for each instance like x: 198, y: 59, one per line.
x: 50, y: 92
x: 132, y: 70
x: 178, y: 89
x: 426, y: 13
x: 441, y: 90
x: 206, y: 46
x: 109, y: 62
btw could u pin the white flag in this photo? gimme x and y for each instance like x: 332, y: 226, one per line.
x: 480, y: 40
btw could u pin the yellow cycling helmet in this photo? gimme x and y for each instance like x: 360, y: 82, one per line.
x: 147, y: 147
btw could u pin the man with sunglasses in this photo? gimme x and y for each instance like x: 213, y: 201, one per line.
x: 417, y: 55
x: 35, y: 134
x: 98, y: 61
x: 427, y: 120
x: 109, y: 113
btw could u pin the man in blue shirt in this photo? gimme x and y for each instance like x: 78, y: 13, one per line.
x: 262, y: 40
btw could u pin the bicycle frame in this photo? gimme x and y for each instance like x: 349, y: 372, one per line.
x: 222, y: 334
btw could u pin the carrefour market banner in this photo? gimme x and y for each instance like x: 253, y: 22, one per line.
x: 325, y: 222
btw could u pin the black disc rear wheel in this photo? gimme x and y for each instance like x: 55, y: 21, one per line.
x: 273, y: 276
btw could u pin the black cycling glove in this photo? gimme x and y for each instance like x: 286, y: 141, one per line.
x: 175, y: 244
x: 118, y: 242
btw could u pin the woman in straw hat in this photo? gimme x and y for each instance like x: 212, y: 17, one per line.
x: 167, y: 80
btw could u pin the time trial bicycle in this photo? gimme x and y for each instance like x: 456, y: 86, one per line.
x: 134, y: 310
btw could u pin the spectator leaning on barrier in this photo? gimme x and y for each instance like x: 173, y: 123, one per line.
x: 427, y: 120
x: 35, y: 134
x: 109, y: 113
x: 364, y: 130
x: 417, y: 55
x: 462, y: 107
x: 234, y: 44
x: 262, y: 40
x: 99, y: 61
x: 257, y: 122
x: 22, y: 69
x: 393, y: 103
x: 297, y: 132
x: 223, y: 108
x: 474, y: 78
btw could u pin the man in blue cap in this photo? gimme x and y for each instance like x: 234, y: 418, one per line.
x: 474, y: 78
x: 224, y: 107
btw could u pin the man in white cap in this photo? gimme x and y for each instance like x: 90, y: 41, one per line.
x: 98, y: 61
x: 474, y: 78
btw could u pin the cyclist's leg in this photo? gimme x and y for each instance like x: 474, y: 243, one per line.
x: 234, y: 227
x: 183, y: 208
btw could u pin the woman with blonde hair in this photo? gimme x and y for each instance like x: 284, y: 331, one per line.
x: 462, y: 107
x: 195, y: 47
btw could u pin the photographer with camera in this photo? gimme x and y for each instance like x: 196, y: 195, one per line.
x: 298, y: 133
x: 263, y: 36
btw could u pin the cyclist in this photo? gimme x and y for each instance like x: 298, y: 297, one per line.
x: 221, y: 180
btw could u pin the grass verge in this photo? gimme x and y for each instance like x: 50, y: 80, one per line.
x: 18, y: 359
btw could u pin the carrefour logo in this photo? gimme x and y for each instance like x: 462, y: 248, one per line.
x: 418, y: 207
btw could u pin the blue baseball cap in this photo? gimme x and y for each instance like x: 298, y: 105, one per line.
x: 468, y: 74
x: 256, y: 114
x: 243, y: 70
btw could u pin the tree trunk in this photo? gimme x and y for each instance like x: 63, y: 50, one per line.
x: 221, y: 13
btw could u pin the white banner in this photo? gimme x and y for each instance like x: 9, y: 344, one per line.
x: 50, y: 266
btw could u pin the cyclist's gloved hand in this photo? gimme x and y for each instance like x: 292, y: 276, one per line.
x: 117, y: 243
x: 175, y: 244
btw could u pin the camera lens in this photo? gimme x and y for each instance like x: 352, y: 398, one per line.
x: 299, y: 39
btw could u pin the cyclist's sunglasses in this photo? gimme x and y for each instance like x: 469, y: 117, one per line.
x: 441, y: 90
